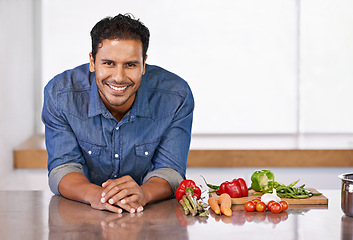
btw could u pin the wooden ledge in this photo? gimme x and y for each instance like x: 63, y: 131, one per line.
x: 270, y: 158
x: 32, y: 154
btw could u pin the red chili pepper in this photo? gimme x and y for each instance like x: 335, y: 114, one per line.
x: 187, y: 184
x: 231, y: 188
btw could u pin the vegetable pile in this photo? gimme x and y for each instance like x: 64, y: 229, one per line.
x: 188, y: 195
x: 264, y: 182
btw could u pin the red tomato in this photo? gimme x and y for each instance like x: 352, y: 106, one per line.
x: 249, y: 206
x: 276, y: 207
x: 260, y: 207
x: 256, y: 200
x: 270, y: 203
x: 284, y: 205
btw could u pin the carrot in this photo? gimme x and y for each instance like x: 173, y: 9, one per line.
x: 214, y: 205
x: 226, y: 203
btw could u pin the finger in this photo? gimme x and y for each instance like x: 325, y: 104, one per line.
x: 108, y: 194
x: 127, y: 207
x: 132, y: 201
x: 124, y: 191
x: 113, y: 186
x: 113, y: 208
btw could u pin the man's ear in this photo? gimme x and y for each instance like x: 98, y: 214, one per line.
x: 144, y: 65
x: 91, y: 63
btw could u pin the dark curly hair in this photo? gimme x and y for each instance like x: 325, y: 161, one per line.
x: 124, y: 27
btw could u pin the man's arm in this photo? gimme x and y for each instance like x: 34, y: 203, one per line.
x: 77, y: 187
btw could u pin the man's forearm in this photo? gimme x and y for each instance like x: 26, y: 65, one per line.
x: 157, y: 188
x: 77, y: 187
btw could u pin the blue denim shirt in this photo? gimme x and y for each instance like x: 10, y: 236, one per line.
x: 152, y: 139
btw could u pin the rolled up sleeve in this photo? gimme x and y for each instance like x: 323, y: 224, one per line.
x: 59, y: 172
x: 168, y: 174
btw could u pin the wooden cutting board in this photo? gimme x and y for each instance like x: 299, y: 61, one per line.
x: 314, y: 200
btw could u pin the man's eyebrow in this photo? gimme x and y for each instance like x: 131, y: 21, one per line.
x: 133, y: 61
x: 106, y: 60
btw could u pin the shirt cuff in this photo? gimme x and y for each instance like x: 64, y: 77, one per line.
x: 57, y: 173
x: 168, y: 174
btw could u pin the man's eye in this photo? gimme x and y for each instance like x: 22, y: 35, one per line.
x: 108, y: 63
x: 131, y: 65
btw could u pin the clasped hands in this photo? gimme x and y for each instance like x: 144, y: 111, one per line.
x: 123, y: 193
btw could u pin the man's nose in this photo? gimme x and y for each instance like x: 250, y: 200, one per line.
x: 119, y: 73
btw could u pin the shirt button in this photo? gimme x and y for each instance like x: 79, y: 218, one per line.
x: 116, y: 155
x: 115, y: 176
x: 146, y: 153
x: 117, y: 128
x: 89, y: 152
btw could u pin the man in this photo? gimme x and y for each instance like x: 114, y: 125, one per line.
x: 117, y: 129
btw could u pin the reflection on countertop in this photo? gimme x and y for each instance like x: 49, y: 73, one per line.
x: 74, y: 220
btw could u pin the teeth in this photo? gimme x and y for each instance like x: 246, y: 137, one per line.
x: 117, y: 88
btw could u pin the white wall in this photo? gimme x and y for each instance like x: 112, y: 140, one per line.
x: 265, y: 74
x: 17, y: 100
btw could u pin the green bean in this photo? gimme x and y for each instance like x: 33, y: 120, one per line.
x: 293, y: 183
x: 289, y: 191
x: 210, y: 185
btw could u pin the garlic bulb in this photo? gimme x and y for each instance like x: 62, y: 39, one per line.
x: 270, y: 196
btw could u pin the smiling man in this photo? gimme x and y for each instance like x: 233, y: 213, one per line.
x: 117, y: 129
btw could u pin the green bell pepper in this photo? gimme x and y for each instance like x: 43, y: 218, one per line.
x: 260, y: 180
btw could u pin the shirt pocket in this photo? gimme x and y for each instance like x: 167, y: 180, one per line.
x: 89, y: 149
x: 146, y: 149
x: 96, y: 167
x: 144, y: 153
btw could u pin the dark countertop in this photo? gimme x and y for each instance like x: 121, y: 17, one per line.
x: 41, y: 215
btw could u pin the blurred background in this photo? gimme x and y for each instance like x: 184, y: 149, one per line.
x: 266, y: 74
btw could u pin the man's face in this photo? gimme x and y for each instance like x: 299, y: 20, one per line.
x: 118, y: 67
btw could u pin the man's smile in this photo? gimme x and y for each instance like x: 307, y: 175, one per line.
x: 117, y: 88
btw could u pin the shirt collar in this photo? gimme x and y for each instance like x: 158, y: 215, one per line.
x: 96, y: 105
x: 141, y: 103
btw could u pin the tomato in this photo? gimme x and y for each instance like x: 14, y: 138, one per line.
x: 260, y: 207
x: 256, y: 200
x: 250, y: 206
x: 270, y: 203
x: 276, y: 207
x: 284, y: 205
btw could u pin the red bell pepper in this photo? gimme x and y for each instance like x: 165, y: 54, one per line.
x: 187, y: 185
x: 235, y: 189
x: 243, y: 188
x: 231, y: 188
